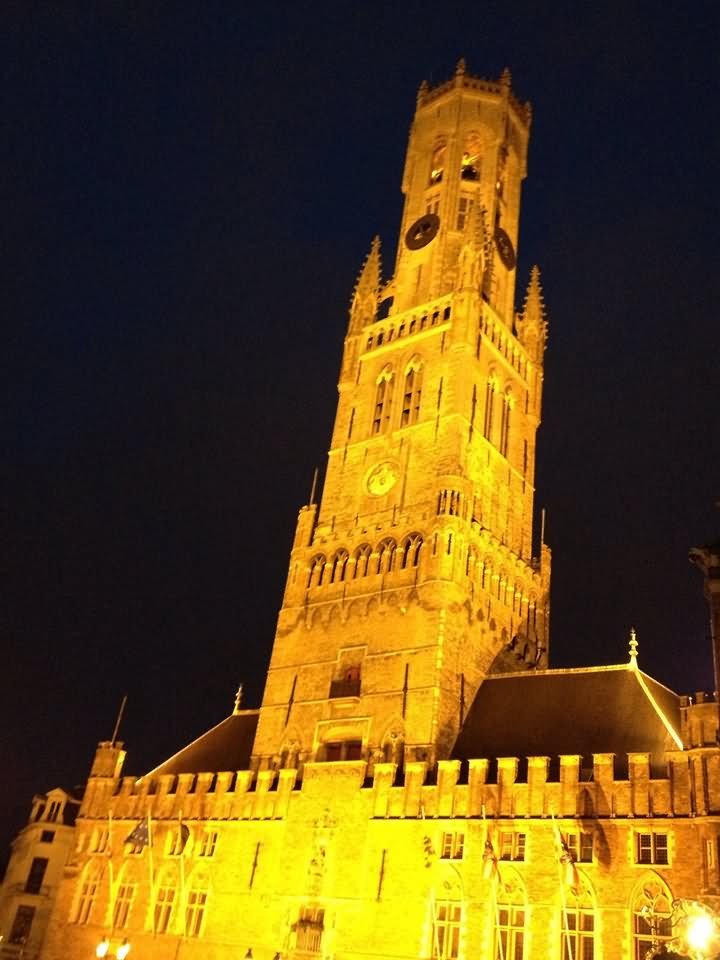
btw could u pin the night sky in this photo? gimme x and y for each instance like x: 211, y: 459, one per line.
x: 188, y: 191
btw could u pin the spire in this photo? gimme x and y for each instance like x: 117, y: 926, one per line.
x: 363, y: 307
x: 531, y: 323
x: 238, y: 699
x: 460, y: 67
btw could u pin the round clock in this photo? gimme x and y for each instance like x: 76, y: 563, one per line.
x: 505, y: 248
x: 422, y: 231
x: 382, y: 478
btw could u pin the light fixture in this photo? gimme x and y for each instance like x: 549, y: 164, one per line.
x: 102, y: 948
x: 123, y: 950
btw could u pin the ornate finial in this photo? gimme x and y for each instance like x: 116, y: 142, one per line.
x: 531, y: 323
x: 633, y: 649
x: 460, y: 67
x: 422, y: 91
x: 238, y: 699
x: 506, y: 77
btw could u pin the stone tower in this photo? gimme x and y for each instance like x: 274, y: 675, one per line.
x: 414, y: 576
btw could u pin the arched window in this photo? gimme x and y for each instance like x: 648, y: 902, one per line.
x: 410, y: 547
x: 412, y: 394
x: 386, y: 555
x: 338, y: 566
x: 86, y: 894
x: 383, y: 401
x: 505, y: 423
x: 489, y: 408
x: 470, y: 165
x: 577, y: 922
x: 362, y: 560
x: 437, y: 163
x: 510, y: 923
x: 651, y: 909
x: 317, y: 565
x: 471, y: 562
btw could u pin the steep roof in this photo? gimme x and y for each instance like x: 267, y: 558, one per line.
x: 582, y: 711
x: 226, y: 746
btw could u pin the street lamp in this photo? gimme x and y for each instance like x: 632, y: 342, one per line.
x: 103, y: 948
x: 696, y: 928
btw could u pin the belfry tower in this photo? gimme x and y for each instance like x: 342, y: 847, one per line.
x: 414, y: 576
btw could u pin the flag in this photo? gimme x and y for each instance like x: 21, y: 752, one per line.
x: 184, y: 837
x: 569, y: 871
x: 490, y: 871
x: 140, y: 836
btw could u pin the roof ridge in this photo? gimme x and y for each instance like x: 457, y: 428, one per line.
x: 559, y: 670
x: 658, y: 709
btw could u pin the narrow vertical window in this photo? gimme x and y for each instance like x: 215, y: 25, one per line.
x: 163, y: 909
x: 505, y: 424
x: 578, y: 929
x: 489, y: 409
x: 464, y: 210
x: 473, y: 411
x: 195, y: 909
x: 412, y: 393
x: 510, y: 926
x: 123, y: 903
x: 383, y: 401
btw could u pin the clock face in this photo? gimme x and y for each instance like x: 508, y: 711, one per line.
x: 422, y: 231
x: 505, y: 248
x: 382, y: 478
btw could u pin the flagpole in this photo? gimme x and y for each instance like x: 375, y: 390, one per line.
x: 183, y: 906
x: 564, y: 933
x: 110, y: 868
x: 151, y: 871
x: 490, y: 856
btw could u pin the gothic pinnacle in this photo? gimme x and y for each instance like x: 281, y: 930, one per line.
x: 367, y: 288
x: 531, y: 323
x: 460, y: 67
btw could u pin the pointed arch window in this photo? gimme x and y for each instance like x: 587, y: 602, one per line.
x: 386, y: 555
x: 505, y: 416
x: 412, y: 393
x: 470, y: 165
x: 437, y: 163
x: 383, y: 401
x: 362, y: 560
x: 317, y: 565
x: 411, y: 550
x: 339, y: 566
x: 651, y: 910
x: 490, y: 390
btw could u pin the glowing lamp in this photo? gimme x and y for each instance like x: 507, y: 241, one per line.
x: 102, y: 948
x: 700, y: 931
x: 123, y: 950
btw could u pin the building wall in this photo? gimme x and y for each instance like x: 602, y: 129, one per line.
x: 369, y: 853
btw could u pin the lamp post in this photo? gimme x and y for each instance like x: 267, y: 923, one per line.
x: 695, y: 928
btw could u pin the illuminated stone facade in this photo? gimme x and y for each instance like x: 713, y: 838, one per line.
x: 409, y: 714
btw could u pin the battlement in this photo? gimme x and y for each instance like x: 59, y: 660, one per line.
x: 566, y: 786
x: 462, y: 80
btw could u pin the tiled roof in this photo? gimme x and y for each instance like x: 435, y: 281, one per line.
x: 226, y: 746
x: 616, y: 710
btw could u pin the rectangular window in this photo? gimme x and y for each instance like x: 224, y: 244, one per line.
x: 446, y: 930
x: 164, y: 903
x: 47, y: 836
x: 20, y: 930
x: 88, y: 892
x: 36, y: 875
x: 510, y: 930
x: 208, y: 843
x: 464, y: 210
x: 580, y: 846
x: 53, y: 810
x: 195, y: 912
x: 651, y: 848
x: 432, y: 204
x: 512, y: 845
x: 578, y: 935
x: 101, y: 839
x: 123, y: 902
x: 453, y: 846
x: 310, y: 929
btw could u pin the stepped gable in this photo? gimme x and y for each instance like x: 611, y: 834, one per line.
x: 226, y: 746
x: 578, y: 711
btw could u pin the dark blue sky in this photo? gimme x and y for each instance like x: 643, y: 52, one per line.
x: 188, y: 191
